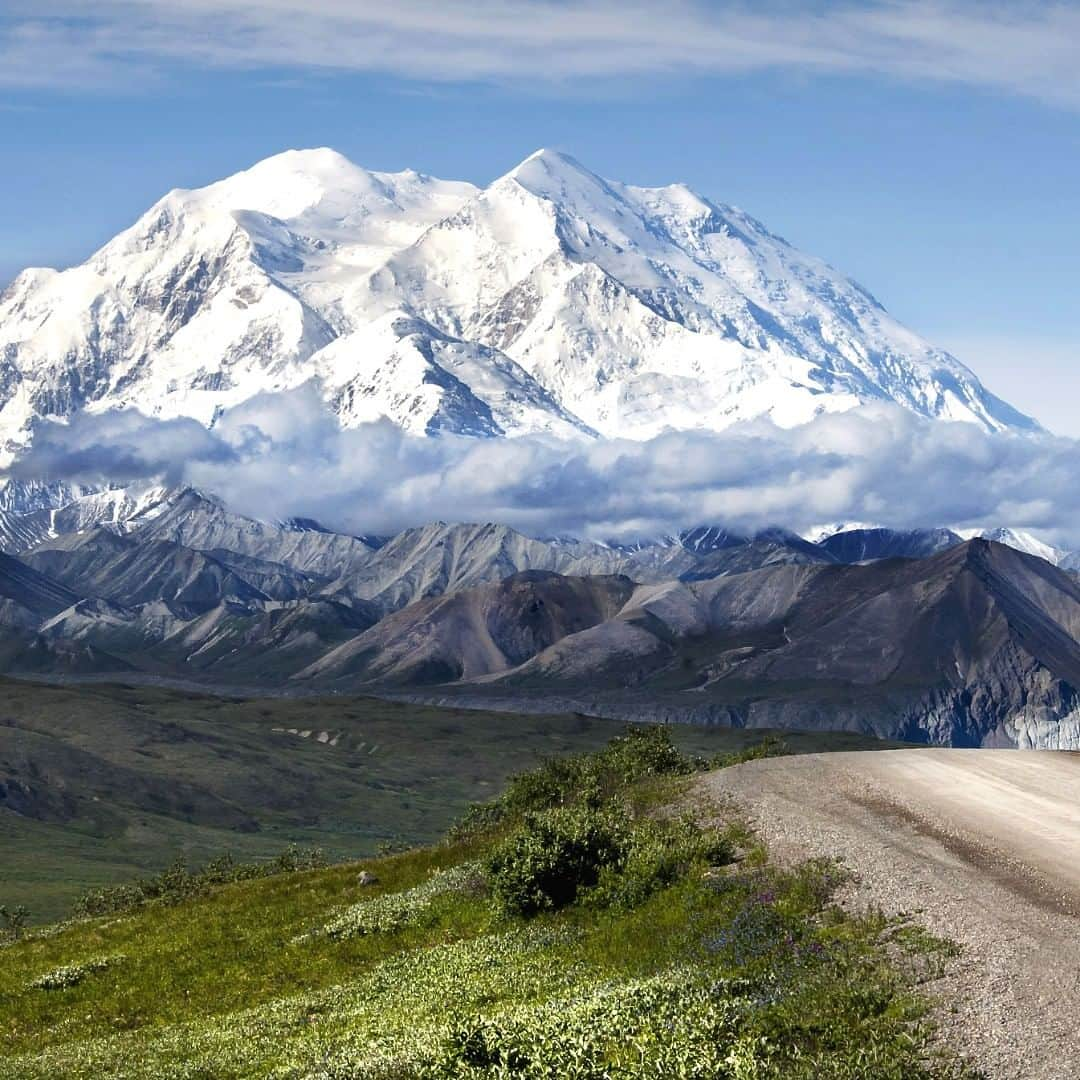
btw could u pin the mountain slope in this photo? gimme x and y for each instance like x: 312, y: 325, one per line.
x: 979, y: 644
x: 62, y: 511
x: 442, y: 558
x: 29, y: 600
x: 551, y: 301
x: 35, y: 593
x: 863, y: 545
x: 130, y: 572
x: 475, y: 632
x: 194, y: 520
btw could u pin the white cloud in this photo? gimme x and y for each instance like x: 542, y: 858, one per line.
x: 1030, y: 49
x: 280, y: 456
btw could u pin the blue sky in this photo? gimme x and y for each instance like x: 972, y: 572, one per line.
x: 929, y: 150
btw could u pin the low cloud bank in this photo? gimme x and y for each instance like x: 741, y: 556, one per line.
x: 284, y: 455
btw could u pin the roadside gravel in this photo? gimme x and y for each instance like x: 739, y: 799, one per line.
x: 983, y: 845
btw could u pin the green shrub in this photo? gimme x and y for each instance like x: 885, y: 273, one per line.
x: 659, y: 853
x: 14, y: 922
x: 574, y: 837
x: 643, y: 751
x: 769, y: 746
x: 552, y: 857
x: 177, y: 883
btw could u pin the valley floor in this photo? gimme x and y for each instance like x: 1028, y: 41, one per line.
x: 983, y: 845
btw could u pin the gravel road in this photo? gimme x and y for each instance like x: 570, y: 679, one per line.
x: 984, y: 845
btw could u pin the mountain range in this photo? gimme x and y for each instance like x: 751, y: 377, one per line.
x: 976, y: 645
x: 551, y: 301
x: 917, y: 635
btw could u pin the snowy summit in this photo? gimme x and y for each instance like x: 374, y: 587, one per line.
x: 551, y: 301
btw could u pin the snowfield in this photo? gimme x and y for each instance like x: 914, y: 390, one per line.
x: 551, y: 301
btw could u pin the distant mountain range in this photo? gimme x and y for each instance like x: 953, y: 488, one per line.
x: 976, y: 645
x: 550, y: 301
x: 918, y: 634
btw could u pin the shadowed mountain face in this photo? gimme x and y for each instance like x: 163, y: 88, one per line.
x: 975, y: 645
x: 230, y: 642
x: 864, y: 545
x: 23, y: 587
x: 28, y: 602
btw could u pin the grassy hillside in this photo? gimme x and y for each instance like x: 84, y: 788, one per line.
x: 100, y: 783
x: 565, y: 930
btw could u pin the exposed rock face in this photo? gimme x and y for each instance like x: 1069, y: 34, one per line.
x: 976, y: 645
x: 166, y: 578
x: 130, y: 573
x: 35, y: 594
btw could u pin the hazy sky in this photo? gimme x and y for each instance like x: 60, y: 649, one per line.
x: 930, y: 150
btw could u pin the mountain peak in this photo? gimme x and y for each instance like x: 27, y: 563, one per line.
x: 553, y: 298
x: 555, y: 175
x: 550, y: 159
x: 317, y: 160
x: 287, y: 184
x: 313, y: 157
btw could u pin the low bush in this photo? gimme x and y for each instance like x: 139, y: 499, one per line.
x: 13, y: 922
x: 553, y: 856
x: 177, y: 883
x: 72, y: 974
x: 393, y: 911
x: 603, y: 857
x: 571, y: 834
x: 769, y: 746
x: 643, y: 751
x: 659, y: 852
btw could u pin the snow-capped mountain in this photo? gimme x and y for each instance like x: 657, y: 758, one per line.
x: 40, y: 514
x: 551, y: 301
x: 1019, y: 540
